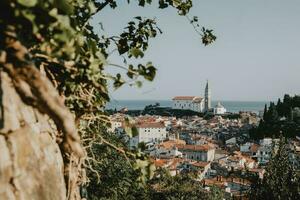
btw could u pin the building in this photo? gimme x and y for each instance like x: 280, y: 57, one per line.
x: 264, y: 151
x: 207, y: 105
x: 194, y: 103
x: 149, y: 132
x: 188, y: 103
x: 167, y: 149
x: 204, y: 152
x: 219, y: 109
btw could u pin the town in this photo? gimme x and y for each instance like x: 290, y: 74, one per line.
x: 214, y: 147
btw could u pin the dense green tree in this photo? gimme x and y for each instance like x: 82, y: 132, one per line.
x: 265, y: 112
x: 278, y: 119
x: 280, y: 179
x: 111, y: 174
x: 179, y: 187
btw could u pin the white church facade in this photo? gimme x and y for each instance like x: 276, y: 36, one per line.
x: 194, y: 103
x: 188, y: 103
x: 219, y: 109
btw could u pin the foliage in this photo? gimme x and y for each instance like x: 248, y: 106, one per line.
x: 280, y: 179
x: 216, y: 193
x: 42, y: 40
x: 111, y: 173
x: 179, y: 187
x: 283, y: 117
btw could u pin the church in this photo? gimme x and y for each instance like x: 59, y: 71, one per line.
x: 194, y: 103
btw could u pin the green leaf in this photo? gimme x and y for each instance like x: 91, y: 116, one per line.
x: 135, y: 52
x: 27, y: 3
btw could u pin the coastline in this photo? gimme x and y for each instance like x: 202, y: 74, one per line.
x: 231, y: 106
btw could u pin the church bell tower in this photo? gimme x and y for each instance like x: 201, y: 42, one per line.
x: 207, y: 100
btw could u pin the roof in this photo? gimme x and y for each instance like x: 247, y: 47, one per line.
x: 191, y: 98
x: 200, y: 164
x: 254, y: 148
x: 257, y: 170
x: 219, y: 105
x: 190, y: 147
x: 150, y: 125
x: 171, y: 143
x: 160, y: 162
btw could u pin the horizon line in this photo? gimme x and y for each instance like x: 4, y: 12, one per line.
x: 266, y: 101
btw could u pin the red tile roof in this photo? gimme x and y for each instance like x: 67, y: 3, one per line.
x: 187, y: 98
x: 190, y: 147
x: 200, y: 164
x: 254, y: 148
x: 171, y: 143
x: 160, y: 162
x: 150, y: 125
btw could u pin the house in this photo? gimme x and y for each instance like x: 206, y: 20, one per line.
x: 231, y: 142
x: 199, y: 167
x: 204, y: 152
x: 116, y: 122
x: 149, y: 132
x: 171, y: 164
x: 264, y: 151
x: 245, y: 148
x: 167, y: 149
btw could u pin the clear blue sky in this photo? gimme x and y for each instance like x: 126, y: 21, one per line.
x: 256, y: 55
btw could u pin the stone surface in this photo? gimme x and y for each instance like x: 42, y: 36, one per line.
x: 31, y: 165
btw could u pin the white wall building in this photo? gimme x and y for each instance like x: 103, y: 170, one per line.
x: 219, y: 109
x: 149, y: 132
x: 115, y: 124
x: 245, y: 148
x: 188, y: 103
x: 194, y: 103
x: 264, y: 151
x: 161, y: 152
x: 204, y: 152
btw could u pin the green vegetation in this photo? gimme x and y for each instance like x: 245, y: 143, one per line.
x: 281, y: 180
x: 57, y: 64
x: 162, y: 111
x: 180, y: 187
x: 283, y: 117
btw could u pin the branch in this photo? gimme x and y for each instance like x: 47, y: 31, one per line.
x: 102, y: 6
x: 30, y: 83
x: 99, y: 8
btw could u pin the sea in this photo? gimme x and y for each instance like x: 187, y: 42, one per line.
x: 231, y: 106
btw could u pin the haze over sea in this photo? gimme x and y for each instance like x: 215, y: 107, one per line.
x: 231, y: 106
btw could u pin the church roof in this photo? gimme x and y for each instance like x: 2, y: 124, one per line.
x: 188, y: 98
x: 219, y: 105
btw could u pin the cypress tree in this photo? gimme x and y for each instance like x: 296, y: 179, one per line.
x: 280, y: 180
x: 265, y: 112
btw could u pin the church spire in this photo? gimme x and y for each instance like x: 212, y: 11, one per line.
x: 207, y: 97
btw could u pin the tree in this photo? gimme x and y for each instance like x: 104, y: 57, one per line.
x: 111, y: 174
x: 179, y: 187
x: 280, y: 179
x: 265, y: 112
x: 56, y: 62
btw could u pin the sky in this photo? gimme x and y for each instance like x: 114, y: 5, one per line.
x: 256, y: 55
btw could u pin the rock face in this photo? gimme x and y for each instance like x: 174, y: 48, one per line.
x: 31, y: 165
